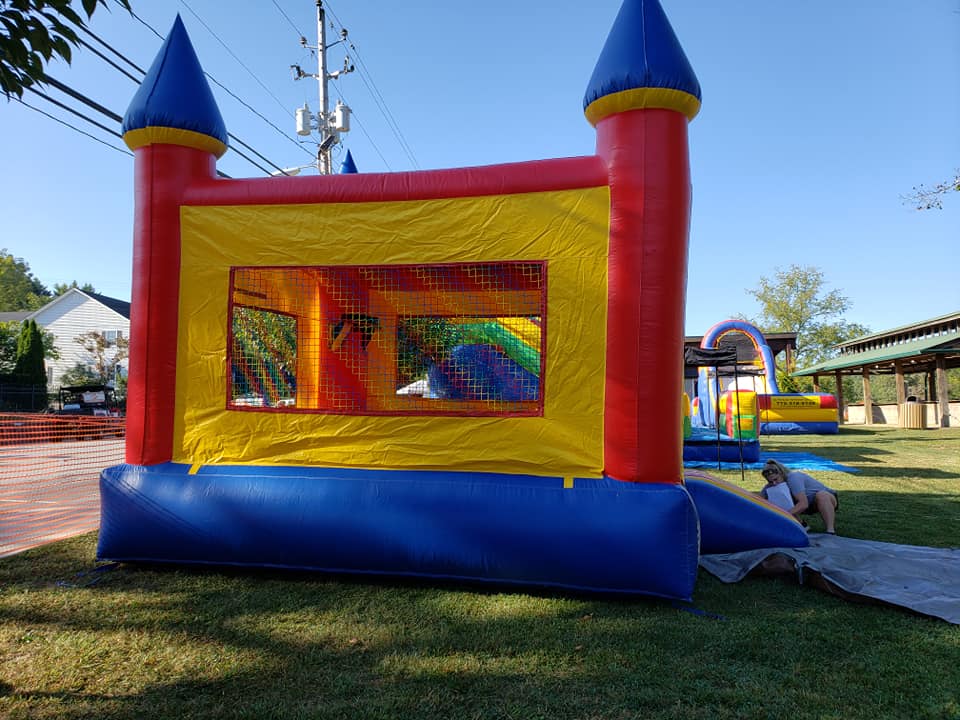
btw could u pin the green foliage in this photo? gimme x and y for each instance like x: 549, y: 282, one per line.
x: 29, y: 367
x: 33, y: 32
x: 80, y: 374
x: 61, y: 288
x: 422, y: 342
x: 19, y: 289
x: 26, y: 376
x: 10, y: 335
x: 790, y: 384
x: 264, y: 355
x: 797, y: 300
x: 104, y: 355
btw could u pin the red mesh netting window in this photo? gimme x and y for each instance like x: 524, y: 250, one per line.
x: 463, y: 339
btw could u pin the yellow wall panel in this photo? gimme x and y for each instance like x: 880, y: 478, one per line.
x: 567, y: 229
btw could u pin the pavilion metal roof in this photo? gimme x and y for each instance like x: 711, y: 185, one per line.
x: 917, y: 346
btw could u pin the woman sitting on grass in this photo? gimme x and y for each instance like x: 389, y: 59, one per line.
x: 810, y: 496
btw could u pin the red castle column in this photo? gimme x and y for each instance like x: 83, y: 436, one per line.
x: 176, y: 132
x: 641, y: 117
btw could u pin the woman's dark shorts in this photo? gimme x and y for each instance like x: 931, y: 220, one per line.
x: 812, y: 503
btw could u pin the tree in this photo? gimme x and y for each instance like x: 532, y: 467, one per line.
x: 29, y: 369
x: 105, y: 354
x: 797, y: 301
x: 19, y: 289
x: 80, y: 374
x: 33, y: 32
x: 10, y: 335
x: 61, y: 288
x: 929, y: 198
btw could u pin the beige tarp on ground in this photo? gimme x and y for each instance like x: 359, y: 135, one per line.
x: 923, y: 579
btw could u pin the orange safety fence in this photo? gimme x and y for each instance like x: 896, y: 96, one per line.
x: 49, y: 475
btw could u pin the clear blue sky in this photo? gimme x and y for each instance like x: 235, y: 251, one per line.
x: 817, y: 117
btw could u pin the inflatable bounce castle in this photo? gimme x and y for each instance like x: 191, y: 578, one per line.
x: 439, y: 374
x: 760, y: 404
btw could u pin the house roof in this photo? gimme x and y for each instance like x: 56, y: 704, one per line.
x: 921, y: 343
x: 121, y: 307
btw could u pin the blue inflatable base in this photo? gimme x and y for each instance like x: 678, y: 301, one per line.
x: 731, y: 523
x: 598, y: 536
x: 704, y: 450
x: 799, y: 428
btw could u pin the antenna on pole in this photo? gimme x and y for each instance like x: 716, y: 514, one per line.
x: 328, y: 124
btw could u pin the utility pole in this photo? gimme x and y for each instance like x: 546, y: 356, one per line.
x: 328, y: 124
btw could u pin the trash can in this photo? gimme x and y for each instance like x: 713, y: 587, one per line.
x: 912, y: 415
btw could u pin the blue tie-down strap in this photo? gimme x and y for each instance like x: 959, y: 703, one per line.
x: 86, y: 578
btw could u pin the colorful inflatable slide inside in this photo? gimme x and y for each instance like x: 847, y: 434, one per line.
x: 439, y: 374
x: 762, y: 405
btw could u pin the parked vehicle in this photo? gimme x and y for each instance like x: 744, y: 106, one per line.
x: 96, y: 400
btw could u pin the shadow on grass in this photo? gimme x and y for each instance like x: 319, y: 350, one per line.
x: 887, y: 471
x: 262, y: 644
x: 926, y: 519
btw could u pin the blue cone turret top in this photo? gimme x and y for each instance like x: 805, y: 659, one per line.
x: 641, y: 66
x: 174, y: 104
x: 348, y: 166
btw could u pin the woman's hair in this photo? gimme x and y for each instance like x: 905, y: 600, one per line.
x: 774, y: 465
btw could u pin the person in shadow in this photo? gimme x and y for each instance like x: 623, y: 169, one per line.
x: 810, y: 496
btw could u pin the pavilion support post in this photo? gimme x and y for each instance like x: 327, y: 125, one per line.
x: 867, y: 399
x: 901, y: 382
x: 943, y: 392
x: 816, y: 383
x: 839, y: 378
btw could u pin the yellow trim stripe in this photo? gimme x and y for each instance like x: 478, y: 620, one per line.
x: 640, y: 99
x: 567, y: 483
x: 194, y: 469
x: 158, y: 135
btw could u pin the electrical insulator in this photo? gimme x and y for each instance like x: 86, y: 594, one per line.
x: 303, y: 120
x: 341, y: 117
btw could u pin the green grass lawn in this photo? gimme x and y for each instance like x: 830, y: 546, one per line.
x: 165, y: 643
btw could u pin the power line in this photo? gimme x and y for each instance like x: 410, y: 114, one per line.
x: 144, y: 23
x: 109, y: 47
x: 364, y: 130
x: 89, y: 120
x: 378, y: 98
x: 296, y: 29
x: 228, y: 91
x: 72, y: 127
x: 233, y: 55
x: 107, y: 60
x: 69, y: 91
x: 82, y: 98
x: 75, y: 112
x: 255, y: 112
x: 117, y: 118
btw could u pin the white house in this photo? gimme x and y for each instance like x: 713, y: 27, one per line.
x: 72, y: 314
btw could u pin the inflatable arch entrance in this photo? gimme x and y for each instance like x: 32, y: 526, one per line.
x: 779, y: 413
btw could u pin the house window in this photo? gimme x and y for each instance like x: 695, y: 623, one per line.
x: 111, y: 336
x: 451, y: 339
